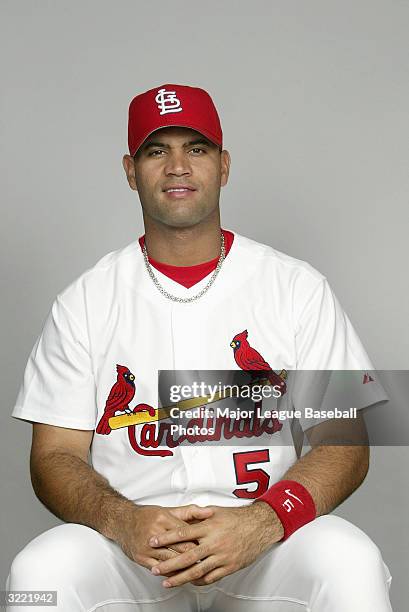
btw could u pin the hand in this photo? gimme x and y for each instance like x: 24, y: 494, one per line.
x: 143, y: 522
x: 230, y: 539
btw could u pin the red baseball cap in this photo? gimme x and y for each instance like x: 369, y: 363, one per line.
x: 172, y: 105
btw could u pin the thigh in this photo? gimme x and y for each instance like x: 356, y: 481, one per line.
x: 327, y: 565
x: 90, y: 572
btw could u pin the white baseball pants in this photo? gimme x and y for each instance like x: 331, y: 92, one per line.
x: 329, y: 565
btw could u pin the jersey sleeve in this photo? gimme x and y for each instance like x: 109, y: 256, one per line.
x: 332, y: 392
x: 325, y: 338
x: 59, y: 386
x: 337, y: 370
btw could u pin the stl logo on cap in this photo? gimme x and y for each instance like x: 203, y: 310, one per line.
x: 161, y: 107
x: 167, y: 102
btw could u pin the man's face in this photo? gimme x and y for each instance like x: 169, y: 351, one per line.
x: 182, y: 159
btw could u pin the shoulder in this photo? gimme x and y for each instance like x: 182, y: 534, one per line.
x: 279, y: 266
x: 102, y: 279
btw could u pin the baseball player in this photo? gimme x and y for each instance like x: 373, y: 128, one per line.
x: 162, y: 520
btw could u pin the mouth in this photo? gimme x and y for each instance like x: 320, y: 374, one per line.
x: 179, y: 192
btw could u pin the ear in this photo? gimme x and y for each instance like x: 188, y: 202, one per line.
x: 225, y: 161
x: 129, y: 167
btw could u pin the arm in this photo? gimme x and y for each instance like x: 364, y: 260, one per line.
x: 72, y: 490
x: 68, y: 486
x: 330, y: 473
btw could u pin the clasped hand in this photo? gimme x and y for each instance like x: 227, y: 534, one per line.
x: 228, y: 540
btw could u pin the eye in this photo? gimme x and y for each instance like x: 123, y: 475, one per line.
x: 197, y: 150
x: 154, y: 153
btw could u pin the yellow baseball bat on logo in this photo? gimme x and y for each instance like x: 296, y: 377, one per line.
x: 139, y: 418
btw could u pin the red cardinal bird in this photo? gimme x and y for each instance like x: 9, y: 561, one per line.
x: 121, y: 394
x: 247, y: 358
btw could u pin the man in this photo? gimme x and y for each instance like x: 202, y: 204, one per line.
x: 152, y: 522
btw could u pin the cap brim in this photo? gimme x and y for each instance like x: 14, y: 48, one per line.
x: 205, y: 133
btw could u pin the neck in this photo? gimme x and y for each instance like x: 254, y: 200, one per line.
x: 187, y: 246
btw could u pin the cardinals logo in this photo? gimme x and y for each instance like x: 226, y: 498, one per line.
x: 120, y: 396
x: 248, y: 359
x: 153, y: 424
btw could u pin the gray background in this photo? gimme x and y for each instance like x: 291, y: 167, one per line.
x: 313, y: 98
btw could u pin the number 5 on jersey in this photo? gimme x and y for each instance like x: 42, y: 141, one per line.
x: 250, y: 475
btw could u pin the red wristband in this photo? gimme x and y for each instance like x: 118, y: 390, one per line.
x: 292, y: 503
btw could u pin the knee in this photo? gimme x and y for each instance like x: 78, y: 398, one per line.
x: 336, y: 545
x: 60, y: 551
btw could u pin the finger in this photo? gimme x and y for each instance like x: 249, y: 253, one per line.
x: 212, y: 576
x: 167, y: 520
x: 173, y: 549
x: 181, y: 534
x: 152, y: 556
x: 196, y: 572
x: 190, y: 512
x: 178, y: 516
x: 161, y: 554
x: 177, y: 549
x: 181, y: 561
x: 150, y: 562
x: 183, y: 546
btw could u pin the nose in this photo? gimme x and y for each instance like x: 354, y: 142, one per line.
x: 177, y: 164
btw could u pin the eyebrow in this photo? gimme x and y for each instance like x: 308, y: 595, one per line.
x: 163, y: 145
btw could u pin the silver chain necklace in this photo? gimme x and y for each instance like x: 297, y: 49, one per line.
x: 194, y: 297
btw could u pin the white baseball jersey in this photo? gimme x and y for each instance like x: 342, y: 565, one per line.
x: 110, y: 332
